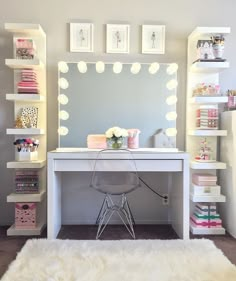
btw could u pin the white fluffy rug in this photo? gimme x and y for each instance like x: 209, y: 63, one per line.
x: 127, y: 260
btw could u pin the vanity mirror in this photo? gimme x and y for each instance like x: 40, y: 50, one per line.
x: 96, y: 96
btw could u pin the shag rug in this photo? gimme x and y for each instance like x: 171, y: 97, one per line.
x: 125, y: 260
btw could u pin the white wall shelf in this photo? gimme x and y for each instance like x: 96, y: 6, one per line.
x: 23, y: 63
x: 208, y: 100
x: 206, y: 231
x: 33, y: 197
x: 28, y: 29
x: 25, y: 97
x: 26, y: 165
x: 13, y: 231
x: 26, y: 131
x: 209, y: 31
x: 209, y: 67
x: 207, y: 166
x: 207, y: 132
x: 208, y: 73
x: 207, y: 198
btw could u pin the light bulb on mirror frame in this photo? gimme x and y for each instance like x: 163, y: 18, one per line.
x: 82, y: 67
x: 100, y: 67
x: 135, y: 68
x: 63, y: 83
x: 63, y: 99
x: 117, y: 67
x: 64, y: 115
x: 154, y: 67
x: 170, y: 116
x: 171, y: 100
x: 171, y: 132
x: 63, y: 131
x: 172, y: 68
x: 172, y: 84
x: 63, y: 67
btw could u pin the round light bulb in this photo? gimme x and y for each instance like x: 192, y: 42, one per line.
x: 63, y: 83
x: 171, y: 132
x: 63, y: 67
x: 63, y: 99
x: 172, y: 68
x: 82, y: 67
x: 171, y: 100
x: 154, y: 67
x: 63, y: 131
x: 63, y: 115
x: 100, y: 67
x: 172, y: 84
x: 117, y: 67
x: 135, y: 68
x: 170, y: 116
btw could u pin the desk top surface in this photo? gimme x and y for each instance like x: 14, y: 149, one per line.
x: 140, y: 153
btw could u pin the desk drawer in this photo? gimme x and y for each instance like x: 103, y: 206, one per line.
x: 85, y: 165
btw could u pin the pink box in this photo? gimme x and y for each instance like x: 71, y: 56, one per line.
x: 206, y: 222
x: 25, y: 215
x: 204, y: 179
x: 97, y: 141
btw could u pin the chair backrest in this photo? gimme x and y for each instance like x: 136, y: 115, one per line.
x: 115, y: 172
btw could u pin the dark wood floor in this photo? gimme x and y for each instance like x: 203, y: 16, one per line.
x: 10, y: 246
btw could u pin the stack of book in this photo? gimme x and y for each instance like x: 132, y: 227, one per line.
x: 26, y: 181
x: 205, y: 216
x: 28, y: 83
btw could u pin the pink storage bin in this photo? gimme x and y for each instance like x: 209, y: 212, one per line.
x: 204, y: 179
x: 97, y: 141
x: 25, y: 215
x: 133, y: 138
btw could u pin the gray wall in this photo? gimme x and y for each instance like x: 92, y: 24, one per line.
x: 180, y: 18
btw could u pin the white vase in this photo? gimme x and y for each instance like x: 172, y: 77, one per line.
x: 218, y: 51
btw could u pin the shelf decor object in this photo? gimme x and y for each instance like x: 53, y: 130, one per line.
x: 203, y: 95
x: 29, y: 98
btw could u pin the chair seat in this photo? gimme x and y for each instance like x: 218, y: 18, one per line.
x: 115, y: 189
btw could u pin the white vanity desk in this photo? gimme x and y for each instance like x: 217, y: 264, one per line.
x: 147, y: 160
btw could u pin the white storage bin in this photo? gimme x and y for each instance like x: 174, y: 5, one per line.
x: 205, y: 190
x: 26, y: 156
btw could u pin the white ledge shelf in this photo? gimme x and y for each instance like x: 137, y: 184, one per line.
x: 208, y: 165
x: 25, y: 29
x: 209, y: 31
x: 27, y: 131
x: 206, y: 230
x: 207, y: 198
x: 207, y: 133
x: 23, y: 63
x: 209, y: 100
x: 209, y: 67
x: 16, y: 197
x: 26, y: 164
x: 13, y: 231
x: 25, y: 97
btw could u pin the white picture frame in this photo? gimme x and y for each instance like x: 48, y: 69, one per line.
x: 81, y: 37
x: 117, y: 38
x: 153, y: 39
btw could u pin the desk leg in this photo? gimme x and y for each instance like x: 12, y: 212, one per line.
x: 179, y: 202
x: 54, y: 201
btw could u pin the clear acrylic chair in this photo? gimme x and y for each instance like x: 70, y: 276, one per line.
x: 115, y: 175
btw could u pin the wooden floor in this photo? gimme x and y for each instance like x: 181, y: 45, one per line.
x: 9, y: 246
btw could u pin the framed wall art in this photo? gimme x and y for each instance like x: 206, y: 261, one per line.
x: 81, y: 37
x: 153, y: 39
x: 117, y: 39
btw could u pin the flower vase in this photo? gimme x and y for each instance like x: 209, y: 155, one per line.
x: 115, y: 143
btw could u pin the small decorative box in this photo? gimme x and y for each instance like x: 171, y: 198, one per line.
x: 204, y: 179
x: 97, y: 141
x: 206, y: 222
x: 205, y: 190
x: 25, y: 215
x: 26, y: 156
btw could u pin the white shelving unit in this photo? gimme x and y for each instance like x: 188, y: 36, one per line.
x: 36, y: 33
x: 203, y: 72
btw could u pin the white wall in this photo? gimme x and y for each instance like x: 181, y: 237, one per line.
x: 180, y: 18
